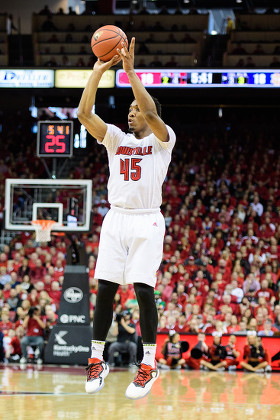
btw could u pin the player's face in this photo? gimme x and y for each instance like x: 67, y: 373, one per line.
x: 136, y: 121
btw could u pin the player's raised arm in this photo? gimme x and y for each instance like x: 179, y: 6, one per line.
x: 142, y: 97
x: 93, y: 123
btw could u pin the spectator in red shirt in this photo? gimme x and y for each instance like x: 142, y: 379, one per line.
x: 55, y: 293
x: 5, y: 323
x: 265, y: 291
x: 37, y: 273
x: 125, y: 294
x: 34, y: 334
x: 13, y: 351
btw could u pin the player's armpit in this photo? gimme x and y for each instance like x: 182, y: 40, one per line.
x: 157, y: 126
x: 94, y: 125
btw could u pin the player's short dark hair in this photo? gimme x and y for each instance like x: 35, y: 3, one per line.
x: 158, y: 105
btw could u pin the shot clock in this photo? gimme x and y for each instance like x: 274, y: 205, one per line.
x: 55, y: 139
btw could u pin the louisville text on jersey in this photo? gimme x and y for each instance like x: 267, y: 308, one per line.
x: 128, y: 151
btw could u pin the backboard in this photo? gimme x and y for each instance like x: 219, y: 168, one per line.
x: 67, y: 202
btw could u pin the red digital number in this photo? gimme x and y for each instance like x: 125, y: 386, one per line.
x: 60, y: 144
x: 135, y: 170
x: 50, y: 143
x: 55, y: 141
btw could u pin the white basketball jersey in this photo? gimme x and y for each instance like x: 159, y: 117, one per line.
x: 138, y: 168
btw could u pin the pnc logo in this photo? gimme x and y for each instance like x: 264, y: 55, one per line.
x: 97, y: 35
x: 73, y: 295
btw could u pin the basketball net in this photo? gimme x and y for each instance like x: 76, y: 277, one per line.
x: 43, y: 229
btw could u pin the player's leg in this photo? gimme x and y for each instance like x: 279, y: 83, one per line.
x: 97, y: 369
x: 148, y: 372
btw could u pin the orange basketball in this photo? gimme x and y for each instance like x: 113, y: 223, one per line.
x: 106, y: 40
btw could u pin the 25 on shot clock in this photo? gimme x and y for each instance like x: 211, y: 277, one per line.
x: 55, y: 139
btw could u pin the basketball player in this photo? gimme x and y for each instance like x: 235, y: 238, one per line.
x: 131, y: 240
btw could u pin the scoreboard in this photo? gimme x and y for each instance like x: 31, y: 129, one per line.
x: 55, y: 139
x: 177, y: 78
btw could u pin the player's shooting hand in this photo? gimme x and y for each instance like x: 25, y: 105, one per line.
x: 127, y: 56
x: 105, y: 65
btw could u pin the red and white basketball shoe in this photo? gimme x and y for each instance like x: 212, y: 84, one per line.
x: 97, y: 371
x: 143, y: 382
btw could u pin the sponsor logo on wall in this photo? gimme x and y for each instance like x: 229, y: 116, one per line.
x: 73, y: 295
x: 72, y: 319
x: 62, y: 348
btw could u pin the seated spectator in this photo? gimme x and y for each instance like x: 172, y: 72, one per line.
x: 53, y: 39
x: 13, y: 300
x: 198, y: 352
x: 4, y: 277
x: 5, y: 323
x: 143, y: 11
x: 60, y: 12
x: 68, y: 38
x: 171, y: 63
x: 254, y: 355
x: 232, y: 354
x: 65, y: 61
x: 243, y: 329
x: 258, y: 50
x: 141, y: 63
x: 71, y: 12
x: 239, y: 49
x: 143, y: 49
x: 48, y: 25
x: 249, y: 63
x: 172, y: 352
x: 158, y: 26
x: 34, y: 334
x: 216, y: 355
x: 240, y: 63
x: 178, y: 11
x: 126, y: 340
x: 163, y: 10
x: 13, y: 348
x: 267, y: 329
x: 45, y: 11
x: 156, y: 62
x: 275, y: 64
x: 276, y: 49
x: 51, y: 62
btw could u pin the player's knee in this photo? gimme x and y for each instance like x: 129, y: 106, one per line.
x: 143, y: 292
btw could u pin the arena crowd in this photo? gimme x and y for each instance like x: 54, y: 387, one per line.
x: 220, y: 270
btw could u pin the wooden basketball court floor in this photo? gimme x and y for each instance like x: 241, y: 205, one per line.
x: 54, y: 392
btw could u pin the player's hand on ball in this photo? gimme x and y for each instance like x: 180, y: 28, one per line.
x: 105, y: 65
x: 127, y: 56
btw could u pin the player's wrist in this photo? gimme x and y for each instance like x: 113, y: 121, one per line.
x: 130, y: 72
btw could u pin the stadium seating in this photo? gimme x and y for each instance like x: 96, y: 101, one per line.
x: 3, y: 41
x: 178, y: 36
x: 259, y: 38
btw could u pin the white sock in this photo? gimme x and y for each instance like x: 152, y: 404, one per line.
x: 97, y: 348
x: 149, y: 354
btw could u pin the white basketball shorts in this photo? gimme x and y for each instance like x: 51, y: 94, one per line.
x: 131, y: 246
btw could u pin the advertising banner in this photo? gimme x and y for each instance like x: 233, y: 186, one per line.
x: 24, y: 78
x: 68, y: 78
x: 68, y: 344
x: 69, y: 341
x: 74, y: 301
